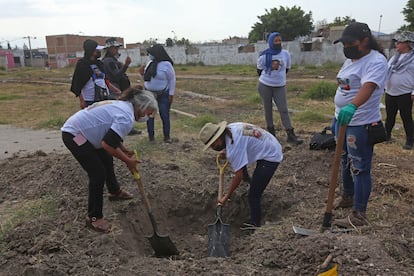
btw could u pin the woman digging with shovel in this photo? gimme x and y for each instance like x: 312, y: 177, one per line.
x: 94, y: 136
x: 245, y: 144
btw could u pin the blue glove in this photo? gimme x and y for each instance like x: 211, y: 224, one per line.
x: 346, y: 113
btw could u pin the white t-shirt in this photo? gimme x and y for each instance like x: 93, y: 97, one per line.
x: 251, y: 143
x: 98, y: 78
x: 277, y: 76
x: 401, y: 81
x: 164, y: 79
x: 370, y: 68
x: 95, y: 121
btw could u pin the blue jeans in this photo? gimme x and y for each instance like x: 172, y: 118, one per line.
x: 356, y: 162
x: 164, y: 109
x: 261, y: 177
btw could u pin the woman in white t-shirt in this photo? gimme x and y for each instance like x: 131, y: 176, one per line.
x: 399, y: 94
x: 272, y: 67
x: 94, y: 136
x: 361, y: 82
x: 245, y: 144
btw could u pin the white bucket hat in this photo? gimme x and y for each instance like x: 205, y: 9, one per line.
x: 210, y: 132
x: 111, y: 42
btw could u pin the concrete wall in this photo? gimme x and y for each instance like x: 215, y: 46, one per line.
x: 229, y: 54
x: 220, y: 54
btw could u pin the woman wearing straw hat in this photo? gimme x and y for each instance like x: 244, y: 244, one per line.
x: 245, y: 144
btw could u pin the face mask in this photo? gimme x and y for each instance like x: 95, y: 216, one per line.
x: 117, y: 55
x: 352, y: 52
x: 277, y: 46
x: 219, y: 147
x: 143, y: 119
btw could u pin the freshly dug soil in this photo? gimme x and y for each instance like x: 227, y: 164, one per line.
x: 182, y: 192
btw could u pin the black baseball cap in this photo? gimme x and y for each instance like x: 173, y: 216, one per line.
x: 354, y: 31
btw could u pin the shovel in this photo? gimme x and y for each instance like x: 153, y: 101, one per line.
x: 219, y: 232
x: 162, y: 245
x: 327, y: 219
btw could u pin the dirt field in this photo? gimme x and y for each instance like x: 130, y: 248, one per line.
x: 182, y: 188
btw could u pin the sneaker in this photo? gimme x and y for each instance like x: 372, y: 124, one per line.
x: 343, y: 201
x: 151, y: 140
x: 135, y: 132
x: 168, y: 140
x: 354, y: 219
x: 408, y: 145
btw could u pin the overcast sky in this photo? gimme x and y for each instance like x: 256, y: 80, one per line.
x: 198, y: 21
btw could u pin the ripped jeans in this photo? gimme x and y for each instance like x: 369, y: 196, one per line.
x: 356, y: 164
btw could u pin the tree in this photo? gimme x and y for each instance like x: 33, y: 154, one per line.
x: 289, y: 22
x: 408, y: 12
x: 169, y: 42
x: 338, y: 21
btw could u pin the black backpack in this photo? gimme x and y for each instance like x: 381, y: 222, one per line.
x: 323, y: 140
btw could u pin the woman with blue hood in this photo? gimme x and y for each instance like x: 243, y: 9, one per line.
x: 272, y: 67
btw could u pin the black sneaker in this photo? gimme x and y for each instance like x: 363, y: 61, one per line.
x: 135, y: 132
x: 408, y: 145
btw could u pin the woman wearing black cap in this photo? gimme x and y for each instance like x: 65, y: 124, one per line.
x: 88, y: 72
x: 361, y: 82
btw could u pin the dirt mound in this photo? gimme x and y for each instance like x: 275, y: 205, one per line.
x: 182, y: 192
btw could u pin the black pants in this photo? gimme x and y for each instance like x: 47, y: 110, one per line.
x: 98, y: 163
x: 404, y: 104
x: 261, y: 177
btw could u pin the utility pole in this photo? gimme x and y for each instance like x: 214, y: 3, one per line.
x: 379, y: 26
x: 30, y: 49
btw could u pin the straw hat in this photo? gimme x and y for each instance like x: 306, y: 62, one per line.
x: 210, y: 132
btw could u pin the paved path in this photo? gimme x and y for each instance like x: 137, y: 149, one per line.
x: 20, y: 141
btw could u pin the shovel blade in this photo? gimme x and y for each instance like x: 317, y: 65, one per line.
x: 163, y: 246
x: 304, y: 231
x: 219, y: 239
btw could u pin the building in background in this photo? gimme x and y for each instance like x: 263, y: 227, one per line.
x: 62, y: 48
x: 6, y: 58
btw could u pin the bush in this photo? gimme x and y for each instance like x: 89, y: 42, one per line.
x: 321, y: 91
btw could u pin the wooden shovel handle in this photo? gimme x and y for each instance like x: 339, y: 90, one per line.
x: 221, y: 178
x: 137, y: 178
x: 335, y: 167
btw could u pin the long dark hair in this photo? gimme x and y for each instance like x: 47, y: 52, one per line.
x: 374, y: 45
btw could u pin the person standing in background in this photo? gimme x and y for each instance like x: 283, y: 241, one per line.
x: 89, y: 71
x: 399, y: 93
x: 115, y: 70
x: 272, y: 67
x: 159, y: 78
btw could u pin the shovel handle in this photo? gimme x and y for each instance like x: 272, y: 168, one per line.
x: 137, y: 178
x: 334, y: 175
x: 221, y: 167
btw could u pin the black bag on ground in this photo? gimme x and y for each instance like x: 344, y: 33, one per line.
x: 323, y: 140
x: 376, y: 133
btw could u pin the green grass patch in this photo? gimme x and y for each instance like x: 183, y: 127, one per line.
x: 8, y: 97
x: 311, y: 117
x: 45, y: 206
x: 321, y: 91
x: 56, y: 122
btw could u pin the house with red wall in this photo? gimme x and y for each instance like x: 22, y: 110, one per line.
x: 6, y: 58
